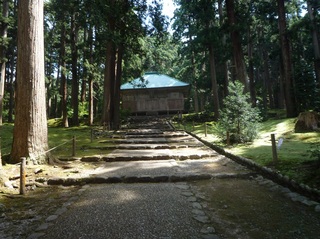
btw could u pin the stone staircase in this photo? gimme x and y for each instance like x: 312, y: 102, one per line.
x: 150, y: 150
x: 151, y: 140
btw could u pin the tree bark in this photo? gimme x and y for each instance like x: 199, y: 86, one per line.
x: 315, y: 41
x: 109, y: 76
x: 193, y: 65
x: 11, y: 91
x: 30, y: 136
x: 214, y: 85
x: 224, y: 42
x: 116, y: 118
x: 288, y: 84
x: 90, y: 77
x: 238, y: 57
x: 3, y: 35
x: 109, y: 81
x: 74, y: 59
x: 280, y: 101
x: 64, y: 88
x: 268, y: 80
x: 13, y: 71
x: 252, y: 84
x: 85, y: 69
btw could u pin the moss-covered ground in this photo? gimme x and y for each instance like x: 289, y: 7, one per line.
x: 294, y: 156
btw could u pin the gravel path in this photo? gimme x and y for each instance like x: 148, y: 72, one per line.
x: 166, y: 210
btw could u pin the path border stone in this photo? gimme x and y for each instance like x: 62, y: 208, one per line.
x: 146, y: 178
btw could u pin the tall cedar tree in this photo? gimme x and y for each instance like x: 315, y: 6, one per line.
x: 238, y: 57
x: 30, y: 136
x: 3, y: 35
x: 74, y: 65
x: 123, y: 27
x: 315, y: 37
x: 287, y: 80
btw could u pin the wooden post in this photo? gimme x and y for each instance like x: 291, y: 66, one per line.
x: 23, y: 176
x: 205, y: 129
x: 74, y: 146
x: 228, y: 138
x: 0, y: 155
x: 274, y: 149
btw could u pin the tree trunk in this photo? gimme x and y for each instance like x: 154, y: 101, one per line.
x: 11, y: 91
x: 85, y: 69
x: 3, y: 36
x: 116, y: 119
x: 91, y: 105
x: 30, y: 136
x: 109, y: 78
x: 49, y: 97
x: 269, y: 82
x: 64, y: 88
x: 214, y: 85
x: 315, y: 40
x: 288, y: 84
x: 307, y: 122
x: 195, y: 88
x: 240, y: 67
x: 280, y: 91
x: 90, y: 78
x: 74, y: 59
x: 57, y: 111
x: 252, y: 85
x: 224, y: 42
x: 195, y: 98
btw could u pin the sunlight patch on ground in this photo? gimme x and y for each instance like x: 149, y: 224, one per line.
x: 113, y: 167
x: 127, y: 195
x: 285, y: 127
x: 308, y: 137
x: 210, y: 137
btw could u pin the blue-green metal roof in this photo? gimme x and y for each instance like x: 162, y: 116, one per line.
x: 153, y: 80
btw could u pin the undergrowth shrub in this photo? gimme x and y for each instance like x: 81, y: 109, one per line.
x: 194, y: 117
x: 315, y: 152
x: 237, y: 116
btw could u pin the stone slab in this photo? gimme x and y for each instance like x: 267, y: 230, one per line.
x: 168, y: 168
x: 154, y: 154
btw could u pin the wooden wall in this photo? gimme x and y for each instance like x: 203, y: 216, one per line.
x: 153, y: 100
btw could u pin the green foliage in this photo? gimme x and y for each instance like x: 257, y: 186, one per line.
x: 238, y: 117
x: 124, y: 115
x: 195, y: 117
x: 315, y: 152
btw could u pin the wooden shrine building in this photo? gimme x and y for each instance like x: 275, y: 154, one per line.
x: 154, y: 93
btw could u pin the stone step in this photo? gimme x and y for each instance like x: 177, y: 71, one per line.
x: 163, y: 135
x: 145, y: 146
x: 169, y: 167
x: 140, y: 131
x: 150, y: 140
x: 146, y: 179
x: 159, y: 171
x: 152, y: 154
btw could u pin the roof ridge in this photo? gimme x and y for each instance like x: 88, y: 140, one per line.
x: 153, y: 80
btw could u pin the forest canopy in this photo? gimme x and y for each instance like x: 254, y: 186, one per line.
x: 92, y: 47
